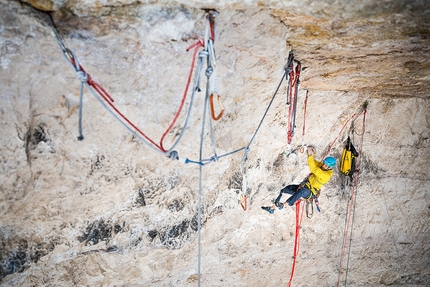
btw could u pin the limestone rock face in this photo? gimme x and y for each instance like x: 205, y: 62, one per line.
x: 112, y: 210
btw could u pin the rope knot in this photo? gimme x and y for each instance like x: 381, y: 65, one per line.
x: 209, y: 71
x: 82, y: 76
x: 173, y: 155
x: 214, y: 158
x: 245, y: 155
x: 203, y: 54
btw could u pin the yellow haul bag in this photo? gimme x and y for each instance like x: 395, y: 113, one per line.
x: 347, y: 163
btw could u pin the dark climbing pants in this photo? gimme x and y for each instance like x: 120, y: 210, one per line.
x: 296, y: 192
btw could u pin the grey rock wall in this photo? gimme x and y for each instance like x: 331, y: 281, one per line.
x: 111, y: 211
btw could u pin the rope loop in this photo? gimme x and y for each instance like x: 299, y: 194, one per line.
x: 245, y: 156
x: 203, y: 54
x: 214, y: 158
x: 197, y: 44
x: 82, y: 76
x: 209, y: 71
x: 173, y: 155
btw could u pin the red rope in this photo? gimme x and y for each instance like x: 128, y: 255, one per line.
x: 105, y: 95
x: 296, y: 239
x: 212, y: 28
x: 351, y: 202
x: 197, y: 45
x: 331, y: 145
x: 102, y: 92
x: 300, y: 216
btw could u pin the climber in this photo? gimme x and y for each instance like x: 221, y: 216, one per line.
x: 321, y: 173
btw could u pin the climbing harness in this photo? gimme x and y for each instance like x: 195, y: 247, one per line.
x: 349, y: 220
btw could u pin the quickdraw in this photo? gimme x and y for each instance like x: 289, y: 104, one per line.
x: 292, y: 93
x: 243, y: 202
x: 309, y: 208
x: 244, y: 170
x: 215, y: 118
x: 214, y: 78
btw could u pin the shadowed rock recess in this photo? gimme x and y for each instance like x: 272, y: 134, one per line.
x: 111, y: 210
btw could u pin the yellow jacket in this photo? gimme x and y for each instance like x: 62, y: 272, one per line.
x: 318, y: 177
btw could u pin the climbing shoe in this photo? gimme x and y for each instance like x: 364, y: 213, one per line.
x: 268, y: 209
x: 279, y: 205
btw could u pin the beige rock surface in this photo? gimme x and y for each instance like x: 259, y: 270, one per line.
x: 110, y: 211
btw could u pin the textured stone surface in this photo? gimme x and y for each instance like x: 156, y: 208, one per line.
x: 110, y: 211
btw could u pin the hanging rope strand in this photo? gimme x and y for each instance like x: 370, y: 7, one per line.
x: 208, y: 73
x: 202, y: 56
x: 296, y: 240
x: 265, y: 113
x: 355, y: 184
x: 247, y: 148
x: 107, y: 102
x: 96, y: 88
x: 196, y: 47
x: 351, y: 207
x: 296, y: 95
x: 299, y: 217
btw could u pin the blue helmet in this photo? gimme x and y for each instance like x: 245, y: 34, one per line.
x: 330, y: 161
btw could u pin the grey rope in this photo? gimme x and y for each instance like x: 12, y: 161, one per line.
x: 119, y: 120
x: 265, y: 113
x: 83, y: 78
x: 247, y: 148
x: 196, y: 87
x: 353, y: 209
x: 288, y: 68
x: 295, y: 107
x: 171, y: 153
x: 79, y: 74
x: 208, y: 73
x: 199, y: 220
x: 69, y: 55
